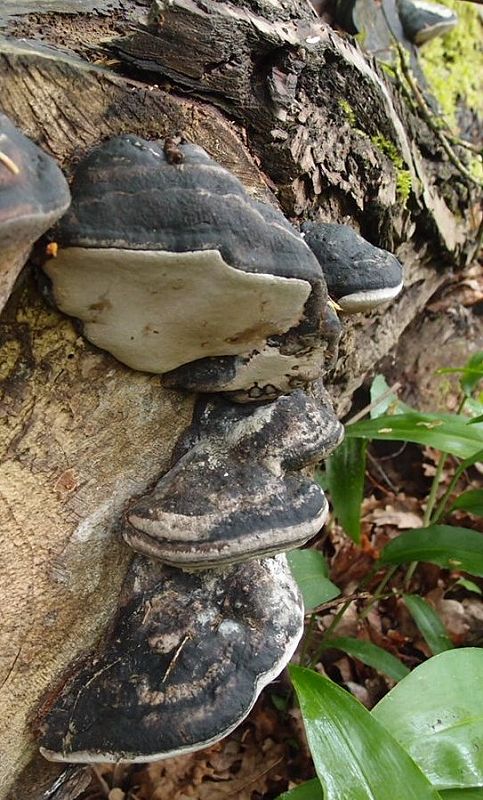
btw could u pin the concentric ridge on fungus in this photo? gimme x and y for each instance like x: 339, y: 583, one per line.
x: 359, y: 276
x: 236, y: 491
x: 174, y: 268
x: 183, y: 665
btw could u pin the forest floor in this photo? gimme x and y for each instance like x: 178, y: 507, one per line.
x: 268, y: 753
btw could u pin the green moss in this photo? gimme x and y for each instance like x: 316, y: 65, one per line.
x: 348, y: 112
x: 404, y: 185
x: 403, y: 176
x: 453, y: 64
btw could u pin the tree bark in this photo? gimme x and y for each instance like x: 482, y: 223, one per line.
x: 264, y: 87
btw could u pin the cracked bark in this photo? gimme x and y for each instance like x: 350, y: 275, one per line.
x: 259, y: 84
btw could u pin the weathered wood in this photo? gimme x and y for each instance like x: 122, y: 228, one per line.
x: 259, y: 85
x: 80, y: 435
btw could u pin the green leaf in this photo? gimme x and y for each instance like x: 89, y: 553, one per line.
x: 310, y: 571
x: 279, y: 701
x: 370, y: 654
x: 380, y: 388
x: 354, y: 756
x: 473, y: 373
x: 445, y: 545
x: 449, y: 433
x: 468, y: 462
x: 479, y: 418
x: 345, y: 471
x: 436, y: 714
x: 468, y: 585
x: 458, y: 794
x: 429, y: 623
x: 472, y: 501
x: 311, y: 790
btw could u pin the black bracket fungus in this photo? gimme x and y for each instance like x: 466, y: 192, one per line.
x: 183, y: 665
x: 410, y: 22
x: 174, y: 268
x: 236, y: 491
x: 423, y: 21
x: 33, y: 195
x: 359, y: 276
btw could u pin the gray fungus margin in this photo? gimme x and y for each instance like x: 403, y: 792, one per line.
x: 174, y: 269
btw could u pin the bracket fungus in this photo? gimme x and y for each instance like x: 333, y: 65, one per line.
x: 173, y: 268
x: 33, y: 195
x: 359, y: 276
x: 236, y: 491
x: 423, y: 21
x: 183, y: 665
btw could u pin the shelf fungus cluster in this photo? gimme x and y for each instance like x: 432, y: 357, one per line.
x: 207, y: 618
x: 33, y: 195
x: 174, y: 269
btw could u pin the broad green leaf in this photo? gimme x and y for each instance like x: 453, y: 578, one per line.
x: 310, y: 571
x: 449, y: 433
x: 370, y: 654
x: 380, y: 389
x: 468, y: 585
x: 436, y: 714
x: 472, y: 501
x: 345, y: 471
x: 354, y: 756
x: 311, y: 790
x: 429, y: 623
x: 445, y: 545
x: 458, y: 794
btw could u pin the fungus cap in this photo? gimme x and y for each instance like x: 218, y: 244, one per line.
x: 235, y: 491
x: 359, y: 276
x: 33, y: 195
x: 173, y: 266
x: 183, y: 664
x: 423, y: 21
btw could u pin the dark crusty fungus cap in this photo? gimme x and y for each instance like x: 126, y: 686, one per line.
x: 235, y: 491
x: 359, y: 276
x: 423, y: 20
x: 186, y: 659
x: 174, y: 266
x: 33, y: 195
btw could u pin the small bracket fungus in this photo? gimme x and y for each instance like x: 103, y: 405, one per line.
x: 423, y: 21
x: 235, y: 491
x: 33, y: 195
x: 186, y: 659
x: 359, y: 276
x: 174, y: 268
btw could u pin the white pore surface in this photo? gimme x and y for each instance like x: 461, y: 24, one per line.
x: 365, y: 301
x: 156, y: 311
x: 433, y: 8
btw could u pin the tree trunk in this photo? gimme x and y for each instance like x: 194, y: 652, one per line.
x: 303, y: 118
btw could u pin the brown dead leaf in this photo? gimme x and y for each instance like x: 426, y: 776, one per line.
x: 452, y: 614
x: 399, y: 517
